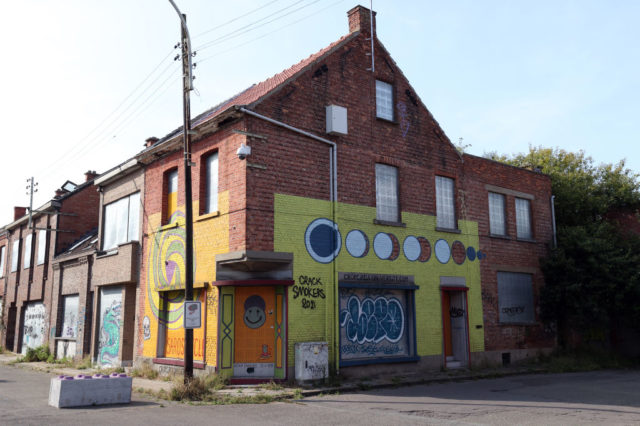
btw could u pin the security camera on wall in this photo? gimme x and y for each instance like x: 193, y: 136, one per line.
x: 243, y: 151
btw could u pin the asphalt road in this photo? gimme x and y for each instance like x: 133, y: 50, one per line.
x: 605, y: 397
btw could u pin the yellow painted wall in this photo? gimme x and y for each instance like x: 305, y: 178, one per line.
x: 165, y: 267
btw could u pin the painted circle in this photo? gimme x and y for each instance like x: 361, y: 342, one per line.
x: 458, y: 252
x: 323, y: 241
x: 481, y: 255
x: 411, y: 248
x: 383, y: 245
x: 425, y: 249
x: 471, y: 253
x: 443, y: 252
x: 395, y: 252
x: 357, y: 243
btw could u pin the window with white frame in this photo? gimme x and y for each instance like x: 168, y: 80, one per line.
x: 42, y: 246
x: 15, y: 255
x: 445, y: 203
x: 515, y: 297
x: 387, y: 208
x: 27, y: 251
x: 523, y: 219
x: 171, y: 188
x: 497, y: 218
x: 384, y: 100
x: 121, y: 221
x: 2, y: 256
x: 211, y: 182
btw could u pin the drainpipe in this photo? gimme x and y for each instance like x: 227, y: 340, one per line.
x: 333, y: 196
x: 553, y: 221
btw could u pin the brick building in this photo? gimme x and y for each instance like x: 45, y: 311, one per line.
x: 32, y: 243
x: 353, y: 221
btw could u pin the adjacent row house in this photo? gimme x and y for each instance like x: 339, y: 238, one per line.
x: 329, y: 206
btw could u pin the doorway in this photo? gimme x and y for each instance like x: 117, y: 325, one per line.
x: 455, y: 328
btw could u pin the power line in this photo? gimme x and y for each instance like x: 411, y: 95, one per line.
x: 200, y: 61
x: 247, y: 28
x: 233, y: 20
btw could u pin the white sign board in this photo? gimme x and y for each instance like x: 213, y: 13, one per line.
x: 192, y: 314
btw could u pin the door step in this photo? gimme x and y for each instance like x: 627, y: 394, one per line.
x: 454, y: 364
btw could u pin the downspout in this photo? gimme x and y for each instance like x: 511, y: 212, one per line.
x: 553, y: 221
x: 333, y: 197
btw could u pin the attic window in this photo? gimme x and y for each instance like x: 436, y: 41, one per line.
x: 384, y: 100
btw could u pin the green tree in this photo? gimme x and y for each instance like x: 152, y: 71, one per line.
x: 593, y: 276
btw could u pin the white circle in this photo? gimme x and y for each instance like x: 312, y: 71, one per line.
x: 411, y: 248
x: 337, y: 243
x: 357, y: 243
x: 382, y: 245
x: 443, y: 252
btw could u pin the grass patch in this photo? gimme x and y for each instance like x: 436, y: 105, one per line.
x: 198, y: 389
x: 39, y: 354
x: 145, y: 372
x: 272, y: 386
x: 585, y: 360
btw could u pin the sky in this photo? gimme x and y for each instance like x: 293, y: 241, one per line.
x: 84, y: 82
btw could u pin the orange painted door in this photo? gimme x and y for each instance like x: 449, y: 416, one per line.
x: 254, y: 325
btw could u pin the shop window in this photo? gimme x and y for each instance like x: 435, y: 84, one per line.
x: 42, y: 246
x: 445, y: 203
x: 497, y: 218
x: 387, y: 208
x: 384, y: 100
x: 523, y: 219
x: 515, y: 298
x: 377, y: 323
x: 211, y: 183
x: 171, y: 189
x: 121, y: 221
x: 27, y: 251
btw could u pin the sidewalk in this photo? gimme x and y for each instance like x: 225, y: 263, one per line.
x: 286, y: 391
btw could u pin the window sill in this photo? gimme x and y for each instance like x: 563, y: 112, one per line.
x: 177, y: 362
x: 500, y: 237
x: 449, y: 230
x: 386, y: 120
x: 170, y: 226
x: 526, y: 240
x: 389, y: 223
x: 207, y: 216
x: 107, y: 253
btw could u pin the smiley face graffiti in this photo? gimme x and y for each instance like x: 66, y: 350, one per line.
x: 254, y: 315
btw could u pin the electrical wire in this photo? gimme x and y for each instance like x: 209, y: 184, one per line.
x: 233, y: 20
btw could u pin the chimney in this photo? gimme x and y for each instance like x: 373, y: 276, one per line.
x: 360, y: 20
x: 18, y: 212
x: 150, y: 141
x: 90, y: 175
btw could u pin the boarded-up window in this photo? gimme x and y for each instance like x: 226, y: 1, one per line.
x: 445, y: 203
x: 387, y: 193
x: 15, y: 255
x: 515, y: 297
x: 211, y: 194
x: 121, y: 221
x: 42, y: 246
x: 70, y: 320
x: 27, y: 251
x: 523, y: 219
x: 2, y: 255
x: 384, y: 100
x: 497, y: 222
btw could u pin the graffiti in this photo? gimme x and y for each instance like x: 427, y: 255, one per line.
x: 212, y: 303
x: 34, y: 326
x: 373, y: 320
x: 487, y: 297
x: 405, y: 124
x: 370, y: 350
x: 146, y: 328
x: 266, y: 352
x: 254, y: 311
x: 309, y: 289
x: 513, y: 310
x: 456, y: 312
x: 109, y: 344
x: 175, y: 347
x: 323, y: 243
x: 70, y: 320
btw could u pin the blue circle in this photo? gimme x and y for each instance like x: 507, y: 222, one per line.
x: 383, y: 245
x: 322, y: 240
x: 411, y: 248
x: 357, y: 243
x: 471, y: 253
x: 443, y: 251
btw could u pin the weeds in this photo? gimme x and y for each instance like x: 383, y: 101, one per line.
x: 39, y: 354
x: 272, y: 386
x: 197, y: 389
x: 145, y: 372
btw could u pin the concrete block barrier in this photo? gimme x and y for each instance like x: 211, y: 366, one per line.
x: 81, y: 390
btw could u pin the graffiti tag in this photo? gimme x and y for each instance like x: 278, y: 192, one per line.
x: 309, y: 289
x: 513, y: 310
x: 456, y: 312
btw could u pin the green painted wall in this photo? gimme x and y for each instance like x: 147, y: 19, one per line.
x: 312, y: 300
